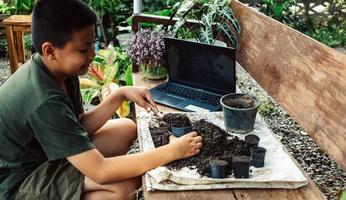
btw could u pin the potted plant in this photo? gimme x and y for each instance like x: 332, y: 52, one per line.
x: 109, y: 70
x: 146, y: 47
x: 180, y: 124
x: 216, y: 19
x: 239, y: 111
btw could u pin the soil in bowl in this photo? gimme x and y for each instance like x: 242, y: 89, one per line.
x: 217, y: 144
x: 218, y: 168
x: 176, y: 120
x: 251, y: 141
x: 258, y: 156
x: 241, y: 166
x: 180, y: 124
x: 245, y: 101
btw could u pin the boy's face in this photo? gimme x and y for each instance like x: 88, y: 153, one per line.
x: 74, y: 58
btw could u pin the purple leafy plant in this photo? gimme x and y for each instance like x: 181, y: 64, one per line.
x: 146, y: 46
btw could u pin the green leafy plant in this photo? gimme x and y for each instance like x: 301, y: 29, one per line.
x: 109, y: 70
x: 266, y: 108
x: 155, y: 5
x: 3, y: 47
x: 333, y: 35
x: 6, y: 8
x: 216, y: 20
x: 278, y: 9
x: 23, y: 6
x: 101, y: 8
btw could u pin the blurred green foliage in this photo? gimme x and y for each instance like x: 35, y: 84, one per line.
x: 266, y: 108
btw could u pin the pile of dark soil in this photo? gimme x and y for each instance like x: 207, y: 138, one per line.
x: 217, y: 144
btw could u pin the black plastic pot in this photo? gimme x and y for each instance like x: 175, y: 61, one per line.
x: 258, y: 156
x: 251, y: 141
x: 218, y: 168
x: 180, y: 131
x: 239, y: 120
x: 240, y: 166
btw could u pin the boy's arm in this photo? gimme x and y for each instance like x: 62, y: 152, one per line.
x: 94, y: 119
x: 106, y: 170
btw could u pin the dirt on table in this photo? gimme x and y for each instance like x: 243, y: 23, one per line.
x: 217, y: 144
x: 245, y: 101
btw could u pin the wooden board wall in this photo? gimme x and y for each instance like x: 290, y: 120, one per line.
x: 306, y: 77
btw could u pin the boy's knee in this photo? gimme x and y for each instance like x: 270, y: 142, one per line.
x: 129, y: 189
x: 132, y: 128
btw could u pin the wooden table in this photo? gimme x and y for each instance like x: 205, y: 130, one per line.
x: 309, y: 191
x: 16, y: 26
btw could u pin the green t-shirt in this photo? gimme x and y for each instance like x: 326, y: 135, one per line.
x: 38, y: 122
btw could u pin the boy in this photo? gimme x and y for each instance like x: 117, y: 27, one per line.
x: 51, y: 148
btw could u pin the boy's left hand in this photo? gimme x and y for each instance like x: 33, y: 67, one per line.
x: 140, y: 95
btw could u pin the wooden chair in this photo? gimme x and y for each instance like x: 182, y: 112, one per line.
x: 16, y: 26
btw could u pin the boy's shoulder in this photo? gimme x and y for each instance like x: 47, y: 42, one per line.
x: 29, y: 86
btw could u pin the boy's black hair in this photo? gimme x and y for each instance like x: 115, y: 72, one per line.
x: 55, y: 21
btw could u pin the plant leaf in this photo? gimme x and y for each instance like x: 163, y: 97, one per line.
x: 107, y: 89
x: 227, y: 31
x: 95, y: 71
x: 109, y: 72
x: 222, y: 2
x: 184, y: 8
x: 177, y: 26
x: 128, y: 75
x: 90, y: 93
x: 207, y: 19
x: 181, y: 13
x: 228, y: 14
x: 124, y: 109
x: 206, y: 35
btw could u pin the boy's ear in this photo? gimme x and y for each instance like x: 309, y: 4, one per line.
x: 48, y: 50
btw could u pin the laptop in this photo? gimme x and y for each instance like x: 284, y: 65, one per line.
x: 198, y: 76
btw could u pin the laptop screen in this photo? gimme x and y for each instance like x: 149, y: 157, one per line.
x: 204, y: 66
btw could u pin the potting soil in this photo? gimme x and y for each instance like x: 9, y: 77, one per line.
x: 217, y: 144
x: 279, y: 170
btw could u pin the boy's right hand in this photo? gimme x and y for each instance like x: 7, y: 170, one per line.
x: 186, y: 146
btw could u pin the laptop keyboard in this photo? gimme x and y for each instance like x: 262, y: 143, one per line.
x: 189, y: 93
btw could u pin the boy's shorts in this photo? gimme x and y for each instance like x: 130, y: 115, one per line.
x: 56, y: 180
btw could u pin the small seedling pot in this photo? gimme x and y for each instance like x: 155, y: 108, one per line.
x: 239, y: 120
x: 180, y: 131
x: 258, y: 156
x: 240, y: 166
x: 218, y: 168
x: 251, y: 141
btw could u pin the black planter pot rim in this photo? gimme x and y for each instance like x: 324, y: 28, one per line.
x: 249, y: 141
x: 241, y: 158
x: 258, y: 150
x: 218, y: 162
x: 252, y: 135
x: 257, y: 101
x: 180, y: 131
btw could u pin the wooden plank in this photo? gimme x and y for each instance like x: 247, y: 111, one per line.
x: 307, y: 192
x: 306, y: 77
x: 20, y: 46
x: 22, y: 28
x: 18, y: 20
x: 17, y: 24
x: 11, y: 49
